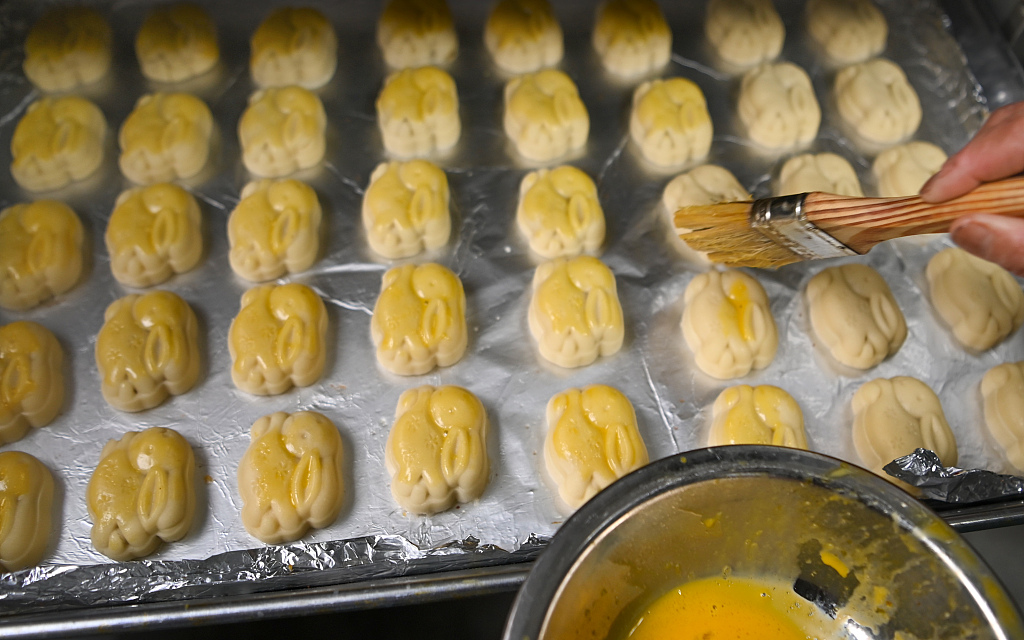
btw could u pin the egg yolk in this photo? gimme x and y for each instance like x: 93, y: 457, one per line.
x: 726, y: 609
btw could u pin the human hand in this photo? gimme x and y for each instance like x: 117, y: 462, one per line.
x: 995, y: 152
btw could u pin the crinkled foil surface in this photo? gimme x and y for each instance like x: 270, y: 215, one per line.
x: 373, y: 536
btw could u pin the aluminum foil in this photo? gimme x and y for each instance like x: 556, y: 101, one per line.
x: 952, y: 485
x: 654, y: 369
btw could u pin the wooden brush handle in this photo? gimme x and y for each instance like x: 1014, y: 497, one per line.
x: 861, y: 223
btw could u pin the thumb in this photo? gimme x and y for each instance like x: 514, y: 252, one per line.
x: 998, y: 239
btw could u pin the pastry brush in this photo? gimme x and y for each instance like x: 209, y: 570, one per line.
x: 772, y: 232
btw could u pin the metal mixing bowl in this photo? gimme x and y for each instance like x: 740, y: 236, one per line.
x: 770, y: 512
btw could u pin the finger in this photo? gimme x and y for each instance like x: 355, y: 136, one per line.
x: 994, y: 153
x: 998, y: 239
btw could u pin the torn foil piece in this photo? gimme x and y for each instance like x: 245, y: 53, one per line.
x: 922, y: 469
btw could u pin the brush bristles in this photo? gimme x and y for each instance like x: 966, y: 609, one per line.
x: 723, y: 232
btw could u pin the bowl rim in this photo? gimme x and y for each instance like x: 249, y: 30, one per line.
x: 530, y: 609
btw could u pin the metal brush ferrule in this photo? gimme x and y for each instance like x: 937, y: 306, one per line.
x: 782, y: 220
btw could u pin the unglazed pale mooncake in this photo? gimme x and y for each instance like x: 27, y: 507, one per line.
x: 293, y: 46
x: 436, y: 453
x: 559, y: 212
x: 574, y: 314
x: 418, y: 112
x: 777, y: 106
x: 58, y: 141
x: 825, y: 172
x: 523, y: 36
x: 544, y: 116
x: 405, y: 208
x: 176, y: 42
x: 31, y: 379
x: 419, y: 319
x: 417, y: 33
x: 670, y: 122
x: 631, y: 37
x: 147, y: 350
x: 764, y: 414
x: 893, y: 417
x: 26, y: 507
x: 979, y: 300
x: 855, y: 315
x: 744, y: 32
x: 153, y: 233
x: 903, y: 170
x: 142, y: 493
x: 728, y: 324
x: 282, y: 131
x: 877, y: 100
x: 278, y: 339
x: 41, y: 252
x: 274, y: 229
x: 1002, y: 390
x: 67, y: 48
x: 706, y: 184
x: 291, y: 476
x: 592, y: 441
x: 848, y: 30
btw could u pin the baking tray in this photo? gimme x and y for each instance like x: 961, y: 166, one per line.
x: 375, y: 553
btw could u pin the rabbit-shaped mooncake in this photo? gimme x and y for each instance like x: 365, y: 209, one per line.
x: 631, y: 37
x: 290, y: 477
x: 405, y: 208
x: 877, y: 100
x: 523, y: 36
x: 436, y: 452
x: 274, y: 229
x: 670, y: 122
x: 282, y: 131
x: 744, y: 32
x: 417, y: 33
x: 559, y: 212
x: 26, y: 507
x: 68, y: 47
x: 58, y: 141
x: 778, y: 107
x: 278, y: 339
x: 764, y: 414
x: 419, y: 320
x: 544, y: 115
x: 293, y: 46
x: 418, y: 112
x: 141, y: 493
x: 166, y: 137
x: 31, y: 378
x: 41, y: 256
x: 592, y: 441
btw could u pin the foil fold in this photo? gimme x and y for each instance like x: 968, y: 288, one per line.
x: 951, y: 485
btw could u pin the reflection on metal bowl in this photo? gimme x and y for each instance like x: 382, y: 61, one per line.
x: 873, y: 559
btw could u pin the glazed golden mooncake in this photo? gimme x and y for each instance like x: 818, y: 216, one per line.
x: 574, y: 314
x: 153, y: 233
x: 166, y: 137
x: 31, y: 379
x: 142, y: 493
x: 764, y: 414
x: 278, y: 339
x: 559, y: 212
x: 544, y: 116
x: 26, y: 507
x: 147, y: 350
x: 418, y: 112
x: 58, y: 141
x: 291, y: 477
x: 670, y: 122
x: 41, y: 246
x: 293, y: 46
x: 274, y: 229
x: 405, y: 208
x: 176, y: 42
x: 436, y: 453
x: 417, y: 33
x: 419, y: 320
x: 523, y: 36
x: 631, y: 37
x: 592, y: 441
x: 67, y: 48
x: 282, y: 131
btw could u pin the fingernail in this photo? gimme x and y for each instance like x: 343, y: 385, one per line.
x: 973, y: 236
